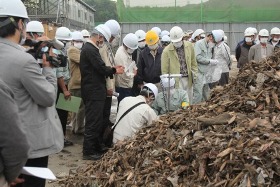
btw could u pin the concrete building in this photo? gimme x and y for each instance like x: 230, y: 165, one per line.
x: 74, y: 14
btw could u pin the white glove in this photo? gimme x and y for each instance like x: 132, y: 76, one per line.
x: 213, y: 62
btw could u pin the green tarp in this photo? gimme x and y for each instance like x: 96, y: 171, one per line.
x: 210, y: 11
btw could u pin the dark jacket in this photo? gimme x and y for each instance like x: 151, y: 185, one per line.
x: 93, y: 73
x: 242, y: 52
x: 276, y: 46
x: 13, y: 142
x: 149, y: 68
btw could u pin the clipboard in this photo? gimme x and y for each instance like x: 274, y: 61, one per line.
x: 71, y: 105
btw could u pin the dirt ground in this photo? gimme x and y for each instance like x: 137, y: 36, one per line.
x: 71, y: 157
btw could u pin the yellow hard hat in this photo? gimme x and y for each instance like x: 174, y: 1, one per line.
x: 151, y: 37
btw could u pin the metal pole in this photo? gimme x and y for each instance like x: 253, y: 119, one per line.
x: 201, y: 14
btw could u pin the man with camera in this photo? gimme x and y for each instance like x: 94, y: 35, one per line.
x: 34, y: 90
x: 93, y: 91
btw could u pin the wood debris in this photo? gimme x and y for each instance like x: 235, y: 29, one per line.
x: 232, y: 140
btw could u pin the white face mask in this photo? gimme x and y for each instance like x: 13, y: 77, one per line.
x: 248, y: 39
x: 141, y: 44
x: 276, y: 39
x: 153, y: 47
x: 129, y: 51
x: 211, y: 44
x: 78, y: 45
x: 177, y: 44
x: 263, y: 40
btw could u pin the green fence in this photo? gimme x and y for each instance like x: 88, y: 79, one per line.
x: 234, y: 11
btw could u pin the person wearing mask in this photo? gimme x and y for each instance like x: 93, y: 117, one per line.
x: 165, y: 41
x: 222, y: 54
x: 197, y: 35
x: 135, y: 56
x: 164, y: 33
x: 124, y: 82
x: 107, y: 56
x: 275, y: 37
x: 34, y: 30
x: 63, y: 34
x: 179, y: 58
x: 74, y: 84
x: 242, y: 50
x: 149, y: 65
x: 178, y: 98
x: 34, y: 90
x: 94, y: 93
x: 204, y: 57
x: 115, y: 29
x: 85, y: 34
x: 261, y: 50
x: 256, y: 38
x: 13, y: 141
x: 134, y: 113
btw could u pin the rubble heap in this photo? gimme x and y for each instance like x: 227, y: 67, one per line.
x: 232, y: 140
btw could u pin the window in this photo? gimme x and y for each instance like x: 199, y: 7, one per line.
x: 85, y: 16
x: 79, y: 13
x: 90, y: 18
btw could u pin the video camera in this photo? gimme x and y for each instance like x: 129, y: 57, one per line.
x: 53, y: 47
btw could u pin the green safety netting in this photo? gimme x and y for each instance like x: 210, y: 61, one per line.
x: 210, y: 11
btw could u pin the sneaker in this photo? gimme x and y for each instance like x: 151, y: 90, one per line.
x: 67, y: 143
x: 95, y: 156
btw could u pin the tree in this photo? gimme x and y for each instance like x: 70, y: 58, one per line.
x: 105, y: 9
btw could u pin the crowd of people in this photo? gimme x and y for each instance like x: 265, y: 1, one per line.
x: 151, y: 73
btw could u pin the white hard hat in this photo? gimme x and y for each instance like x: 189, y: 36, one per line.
x: 197, y: 32
x: 264, y: 32
x: 77, y: 36
x: 114, y: 27
x: 275, y: 30
x: 140, y: 35
x: 218, y: 35
x: 13, y: 8
x: 35, y: 26
x: 165, y: 38
x: 104, y: 30
x: 176, y: 34
x: 165, y: 82
x: 222, y: 32
x: 152, y: 87
x: 131, y: 41
x: 225, y: 38
x: 85, y: 33
x: 164, y: 32
x: 63, y: 33
x: 249, y: 32
x: 157, y: 30
x: 254, y: 30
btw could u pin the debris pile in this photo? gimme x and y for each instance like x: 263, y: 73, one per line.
x: 232, y: 140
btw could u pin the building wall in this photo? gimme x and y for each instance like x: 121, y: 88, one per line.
x: 234, y: 31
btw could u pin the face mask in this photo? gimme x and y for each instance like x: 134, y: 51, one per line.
x: 129, y: 51
x: 178, y: 44
x: 153, y: 47
x: 248, y: 39
x: 276, y: 39
x: 141, y: 44
x: 263, y: 40
x: 211, y: 44
x: 78, y: 45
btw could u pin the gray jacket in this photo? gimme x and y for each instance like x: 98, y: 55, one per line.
x: 13, y: 142
x: 255, y: 52
x: 203, y: 55
x: 35, y: 95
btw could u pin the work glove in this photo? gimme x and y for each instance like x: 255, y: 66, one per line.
x: 213, y: 62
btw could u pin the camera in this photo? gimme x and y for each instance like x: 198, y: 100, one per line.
x: 53, y: 47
